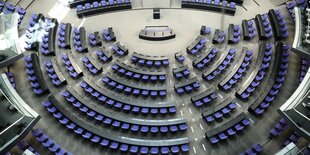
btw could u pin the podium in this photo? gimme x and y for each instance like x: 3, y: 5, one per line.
x: 156, y: 13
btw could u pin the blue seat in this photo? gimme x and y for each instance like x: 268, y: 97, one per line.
x: 257, y: 148
x: 182, y: 127
x: 172, y: 110
x: 134, y: 149
x: 134, y: 59
x: 110, y: 102
x: 154, y: 93
x: 222, y: 136
x: 218, y: 115
x: 173, y: 128
x: 144, y: 150
x: 238, y: 127
x: 95, y: 139
x: 157, y: 63
x: 86, y: 135
x: 144, y: 129
x: 126, y: 107
x: 118, y: 105
x: 135, y: 109
x: 163, y: 93
x: 42, y: 138
x: 164, y: 129
x: 246, y: 122
x: 154, y: 129
x: 154, y: 150
x: 120, y: 87
x: 64, y: 121
x: 231, y: 132
x: 145, y: 92
x: 206, y: 100
x: 71, y: 125
x: 114, y: 145
x: 54, y: 148
x: 107, y: 121
x: 145, y: 77
x: 116, y: 123
x: 124, y: 147
x: 145, y: 110
x: 180, y: 90
x: 99, y: 117
x: 46, y: 103
x: 164, y: 150
x: 175, y: 149
x: 259, y: 111
x: 209, y: 118
x: 134, y: 128
x: 163, y: 110
x: 185, y: 148
x: 213, y: 140
x: 37, y: 132
x: 154, y: 111
x: 125, y: 126
x: 102, y: 98
x: 104, y: 142
x: 57, y: 115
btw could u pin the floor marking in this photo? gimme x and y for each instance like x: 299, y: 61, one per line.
x: 83, y: 21
x: 190, y: 110
x: 126, y: 61
x: 181, y: 112
x: 194, y: 149
x: 256, y: 2
x: 244, y: 8
x: 238, y: 105
x: 200, y: 126
x: 251, y: 121
x: 204, y: 86
x: 204, y: 148
x: 171, y: 81
x: 220, y: 96
x: 192, y: 129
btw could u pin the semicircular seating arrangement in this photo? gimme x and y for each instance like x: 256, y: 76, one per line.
x: 103, y: 55
x: 220, y: 65
x: 126, y: 106
x: 149, y: 61
x: 137, y: 74
x: 205, y: 58
x: 262, y: 64
x: 145, y: 126
x: 232, y: 78
x: 48, y: 143
x: 130, y: 88
x: 53, y: 71
x: 238, y: 70
x: 225, y: 108
x: 80, y: 39
x: 114, y: 142
x: 197, y: 45
x: 64, y: 38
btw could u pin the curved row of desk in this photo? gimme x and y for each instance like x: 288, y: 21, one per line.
x: 114, y: 141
